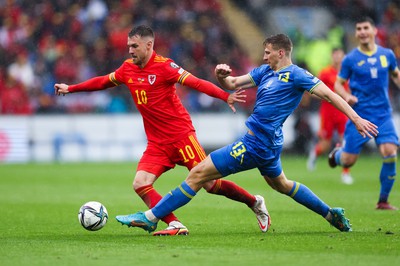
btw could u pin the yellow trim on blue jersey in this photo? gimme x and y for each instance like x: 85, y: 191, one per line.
x: 251, y: 79
x: 311, y: 90
x: 284, y: 67
x: 369, y: 53
x: 295, y: 189
x: 184, y: 192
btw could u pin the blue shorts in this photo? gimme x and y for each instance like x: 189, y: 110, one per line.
x: 353, y: 141
x: 247, y: 153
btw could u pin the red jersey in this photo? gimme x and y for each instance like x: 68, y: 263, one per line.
x: 328, y: 76
x: 331, y: 118
x: 153, y: 90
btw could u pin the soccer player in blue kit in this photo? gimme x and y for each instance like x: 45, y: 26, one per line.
x: 280, y: 88
x: 368, y: 68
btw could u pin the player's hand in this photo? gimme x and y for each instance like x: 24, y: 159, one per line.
x: 236, y: 97
x: 351, y: 99
x: 222, y: 71
x: 61, y: 89
x: 366, y: 128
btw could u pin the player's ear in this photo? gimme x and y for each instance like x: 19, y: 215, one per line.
x: 149, y: 44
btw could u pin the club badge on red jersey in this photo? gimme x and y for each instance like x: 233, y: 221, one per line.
x: 151, y: 79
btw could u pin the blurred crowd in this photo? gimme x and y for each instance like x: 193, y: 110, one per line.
x: 65, y: 41
x: 47, y: 41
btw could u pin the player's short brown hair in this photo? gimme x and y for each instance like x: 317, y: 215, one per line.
x: 142, y: 31
x: 279, y: 41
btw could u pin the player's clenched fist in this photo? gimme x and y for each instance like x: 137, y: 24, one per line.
x: 222, y: 70
x: 61, y: 89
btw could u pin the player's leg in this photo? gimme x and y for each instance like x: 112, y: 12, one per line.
x: 387, y: 175
x: 388, y: 143
x: 220, y: 163
x: 303, y: 195
x: 154, y: 163
x: 340, y: 126
x: 325, y: 134
x: 178, y: 197
x: 143, y: 186
x: 347, y: 155
x: 191, y: 150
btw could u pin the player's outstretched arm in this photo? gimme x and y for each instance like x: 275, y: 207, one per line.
x: 364, y: 127
x: 212, y: 90
x: 222, y: 73
x: 93, y: 84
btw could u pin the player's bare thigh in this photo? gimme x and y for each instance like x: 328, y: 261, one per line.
x: 280, y: 183
x: 202, y: 175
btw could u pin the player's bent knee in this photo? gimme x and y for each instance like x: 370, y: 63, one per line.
x: 140, y: 182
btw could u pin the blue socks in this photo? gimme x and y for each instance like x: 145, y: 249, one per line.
x: 306, y: 197
x: 337, y: 157
x: 387, y: 177
x: 173, y: 200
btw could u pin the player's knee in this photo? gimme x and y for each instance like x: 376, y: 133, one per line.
x: 139, y: 182
x: 348, y: 162
x: 196, y: 177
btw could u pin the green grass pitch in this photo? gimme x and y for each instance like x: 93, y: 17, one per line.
x: 40, y: 202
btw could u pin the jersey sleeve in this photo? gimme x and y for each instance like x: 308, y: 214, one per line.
x: 304, y: 80
x: 258, y: 73
x: 118, y: 76
x: 175, y: 73
x: 345, y: 70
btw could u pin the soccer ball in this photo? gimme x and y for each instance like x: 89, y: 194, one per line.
x: 93, y: 215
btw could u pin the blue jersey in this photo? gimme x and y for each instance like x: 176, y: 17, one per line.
x: 278, y: 95
x: 368, y: 76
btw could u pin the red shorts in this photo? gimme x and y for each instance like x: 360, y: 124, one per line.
x: 158, y: 159
x: 331, y: 122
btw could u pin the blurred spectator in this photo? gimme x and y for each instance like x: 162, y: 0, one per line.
x: 22, y: 70
x: 71, y: 40
x: 13, y: 96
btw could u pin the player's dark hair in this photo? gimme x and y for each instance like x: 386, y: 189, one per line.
x: 279, y: 41
x: 365, y: 19
x: 142, y: 31
x: 337, y: 48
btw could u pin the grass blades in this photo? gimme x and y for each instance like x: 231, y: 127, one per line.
x: 40, y: 202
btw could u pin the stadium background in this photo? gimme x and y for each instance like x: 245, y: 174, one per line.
x: 44, y: 42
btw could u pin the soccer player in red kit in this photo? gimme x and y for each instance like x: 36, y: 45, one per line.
x: 331, y: 119
x: 170, y: 133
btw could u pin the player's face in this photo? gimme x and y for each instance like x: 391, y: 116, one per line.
x: 139, y: 49
x: 365, y: 33
x: 271, y: 56
x: 337, y: 57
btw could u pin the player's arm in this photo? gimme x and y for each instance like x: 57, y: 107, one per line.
x: 212, y: 90
x: 222, y: 73
x: 364, y: 127
x: 93, y: 84
x: 395, y: 75
x: 341, y: 90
